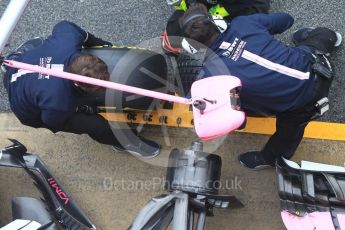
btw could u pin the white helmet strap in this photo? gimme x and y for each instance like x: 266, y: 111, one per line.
x: 220, y: 23
x: 188, y: 47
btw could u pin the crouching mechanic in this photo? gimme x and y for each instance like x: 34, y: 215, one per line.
x: 222, y: 9
x: 291, y: 83
x: 54, y: 103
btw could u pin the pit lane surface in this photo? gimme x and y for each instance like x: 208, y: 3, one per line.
x: 132, y: 22
x: 102, y: 181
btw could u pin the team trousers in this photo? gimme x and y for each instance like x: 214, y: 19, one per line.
x: 290, y: 125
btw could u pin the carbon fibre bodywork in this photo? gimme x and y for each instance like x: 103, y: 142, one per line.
x: 303, y: 192
x: 192, y: 180
x: 64, y: 211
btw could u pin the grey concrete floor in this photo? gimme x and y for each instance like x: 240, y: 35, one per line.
x: 109, y: 186
x: 83, y: 165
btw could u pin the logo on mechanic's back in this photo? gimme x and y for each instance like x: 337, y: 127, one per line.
x: 234, y: 49
x: 46, y: 62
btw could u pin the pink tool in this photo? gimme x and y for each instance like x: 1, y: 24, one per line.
x: 215, y: 114
x: 220, y: 115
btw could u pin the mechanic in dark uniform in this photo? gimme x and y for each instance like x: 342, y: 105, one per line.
x: 291, y: 83
x: 226, y: 9
x: 42, y: 101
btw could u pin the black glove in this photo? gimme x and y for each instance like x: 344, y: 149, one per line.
x: 87, y: 109
x: 95, y: 41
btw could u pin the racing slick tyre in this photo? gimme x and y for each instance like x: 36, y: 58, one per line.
x: 189, y: 67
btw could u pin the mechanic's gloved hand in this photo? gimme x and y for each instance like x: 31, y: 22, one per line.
x: 95, y: 41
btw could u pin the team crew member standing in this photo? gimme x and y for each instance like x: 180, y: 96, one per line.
x: 277, y: 79
x: 39, y: 100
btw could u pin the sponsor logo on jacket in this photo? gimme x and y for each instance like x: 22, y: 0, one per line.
x: 233, y: 50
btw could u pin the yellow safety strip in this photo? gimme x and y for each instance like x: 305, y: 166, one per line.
x: 181, y: 116
x: 315, y: 129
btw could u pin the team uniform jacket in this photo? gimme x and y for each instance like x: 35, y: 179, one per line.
x: 40, y: 100
x: 275, y: 77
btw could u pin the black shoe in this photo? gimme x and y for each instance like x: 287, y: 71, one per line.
x: 302, y: 34
x: 143, y: 148
x: 254, y: 160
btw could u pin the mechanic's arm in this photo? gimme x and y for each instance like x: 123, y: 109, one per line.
x: 276, y: 23
x: 70, y: 34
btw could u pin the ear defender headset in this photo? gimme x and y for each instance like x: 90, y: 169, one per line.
x: 206, y: 19
x: 218, y: 21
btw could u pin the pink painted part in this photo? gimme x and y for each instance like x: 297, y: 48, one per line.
x: 341, y: 221
x: 218, y: 119
x: 92, y: 81
x: 312, y: 221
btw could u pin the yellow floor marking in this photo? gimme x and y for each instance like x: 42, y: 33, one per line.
x: 315, y: 129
